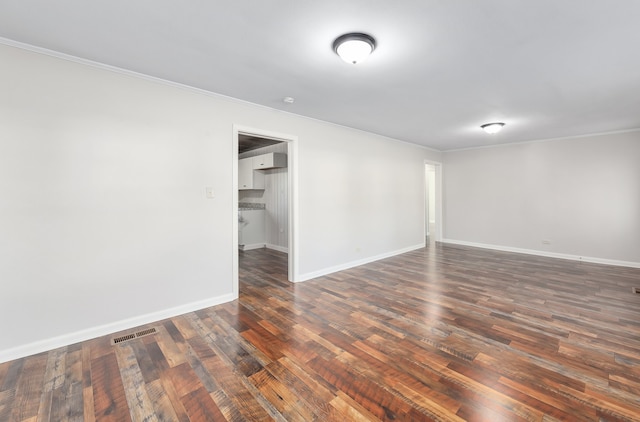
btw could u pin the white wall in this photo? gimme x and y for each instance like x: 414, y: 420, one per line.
x: 104, y: 223
x: 362, y: 197
x: 275, y: 198
x: 103, y: 216
x: 582, y: 194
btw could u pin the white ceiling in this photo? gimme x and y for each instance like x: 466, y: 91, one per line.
x: 547, y: 68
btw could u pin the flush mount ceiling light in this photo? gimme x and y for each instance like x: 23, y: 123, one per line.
x: 354, y: 47
x: 492, y: 128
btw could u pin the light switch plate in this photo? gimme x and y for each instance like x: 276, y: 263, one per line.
x: 209, y: 192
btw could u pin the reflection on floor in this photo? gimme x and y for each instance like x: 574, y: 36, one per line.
x: 440, y: 333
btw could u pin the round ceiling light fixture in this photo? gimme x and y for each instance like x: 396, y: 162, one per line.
x: 492, y: 128
x: 354, y: 47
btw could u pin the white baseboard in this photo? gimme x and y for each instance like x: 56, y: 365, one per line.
x: 264, y: 245
x: 252, y: 246
x: 126, y: 324
x: 347, y: 265
x: 545, y: 253
x: 277, y: 248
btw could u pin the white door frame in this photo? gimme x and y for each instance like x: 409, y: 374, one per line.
x: 437, y: 235
x: 292, y: 171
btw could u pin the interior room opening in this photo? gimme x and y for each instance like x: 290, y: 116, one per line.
x: 263, y: 203
x: 433, y: 210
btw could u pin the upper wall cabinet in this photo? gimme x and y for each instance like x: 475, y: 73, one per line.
x: 270, y: 161
x: 248, y: 177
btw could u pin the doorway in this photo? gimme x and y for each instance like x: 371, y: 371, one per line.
x: 276, y: 194
x: 433, y: 203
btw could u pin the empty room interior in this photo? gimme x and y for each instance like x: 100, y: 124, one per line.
x: 320, y: 211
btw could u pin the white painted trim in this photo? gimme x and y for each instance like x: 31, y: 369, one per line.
x: 294, y: 207
x: 439, y: 202
x: 545, y: 253
x: 439, y: 217
x: 235, y: 262
x: 346, y: 266
x: 425, y: 201
x: 106, y: 329
x: 123, y: 71
x: 536, y: 141
x: 253, y: 246
x: 292, y: 165
x: 277, y: 248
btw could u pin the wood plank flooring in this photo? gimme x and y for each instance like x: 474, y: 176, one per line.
x: 443, y: 333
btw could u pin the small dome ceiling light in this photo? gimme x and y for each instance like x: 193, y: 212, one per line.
x: 355, y: 47
x: 288, y: 100
x: 492, y: 128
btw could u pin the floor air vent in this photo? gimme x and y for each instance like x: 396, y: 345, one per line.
x: 128, y: 337
x: 636, y: 290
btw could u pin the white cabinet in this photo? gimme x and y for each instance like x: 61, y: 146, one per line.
x: 270, y: 161
x: 248, y: 178
x: 251, y: 233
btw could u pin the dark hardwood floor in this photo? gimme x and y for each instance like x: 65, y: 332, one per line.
x: 442, y: 333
